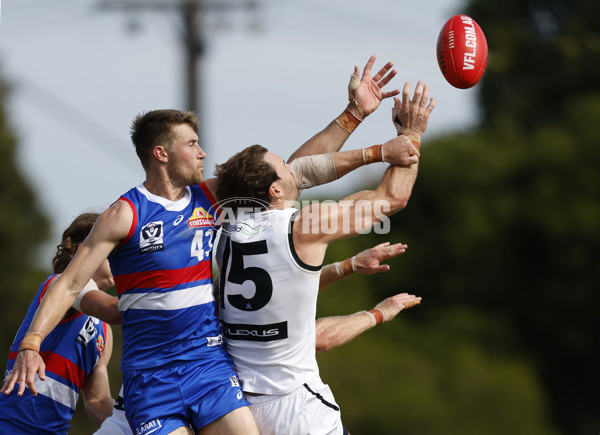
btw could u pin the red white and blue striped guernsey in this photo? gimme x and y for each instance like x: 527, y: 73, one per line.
x: 70, y: 353
x: 162, y: 273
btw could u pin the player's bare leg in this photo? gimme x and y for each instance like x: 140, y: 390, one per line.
x: 238, y: 421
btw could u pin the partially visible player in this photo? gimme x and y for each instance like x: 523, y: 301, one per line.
x: 76, y: 354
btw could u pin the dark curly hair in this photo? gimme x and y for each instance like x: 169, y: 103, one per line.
x: 246, y: 175
x: 72, y: 237
x: 154, y: 128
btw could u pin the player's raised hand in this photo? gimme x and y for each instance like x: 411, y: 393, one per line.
x: 365, y: 92
x: 27, y: 365
x: 391, y: 306
x: 411, y: 116
x: 369, y: 261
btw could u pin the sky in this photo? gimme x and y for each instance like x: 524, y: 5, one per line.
x: 80, y: 73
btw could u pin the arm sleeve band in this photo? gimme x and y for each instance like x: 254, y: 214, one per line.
x: 313, y: 171
x: 91, y: 285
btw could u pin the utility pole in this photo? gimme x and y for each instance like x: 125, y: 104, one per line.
x: 194, y: 19
x: 195, y: 48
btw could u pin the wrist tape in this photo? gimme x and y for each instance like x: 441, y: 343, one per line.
x: 346, y: 267
x: 379, y: 315
x: 31, y: 341
x: 347, y: 121
x: 372, y: 154
x: 372, y: 317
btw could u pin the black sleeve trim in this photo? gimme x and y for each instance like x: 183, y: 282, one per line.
x: 293, y: 249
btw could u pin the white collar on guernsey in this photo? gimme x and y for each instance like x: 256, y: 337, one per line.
x: 178, y: 205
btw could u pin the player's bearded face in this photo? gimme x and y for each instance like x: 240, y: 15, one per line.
x: 187, y: 158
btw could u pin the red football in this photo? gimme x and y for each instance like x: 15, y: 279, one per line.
x: 462, y: 51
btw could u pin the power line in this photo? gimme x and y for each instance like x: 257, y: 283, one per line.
x: 74, y: 119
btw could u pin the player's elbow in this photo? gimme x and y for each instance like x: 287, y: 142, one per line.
x: 99, y: 409
x: 399, y: 200
x: 322, y: 345
x: 114, y: 318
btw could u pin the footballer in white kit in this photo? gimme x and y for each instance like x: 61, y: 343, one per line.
x: 267, y: 301
x: 270, y: 262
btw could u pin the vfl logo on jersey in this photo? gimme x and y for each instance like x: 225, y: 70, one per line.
x: 269, y: 332
x: 87, y: 332
x: 234, y: 381
x: 146, y: 428
x: 201, y: 218
x: 151, y: 237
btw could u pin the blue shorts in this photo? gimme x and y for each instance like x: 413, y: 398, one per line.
x: 191, y: 394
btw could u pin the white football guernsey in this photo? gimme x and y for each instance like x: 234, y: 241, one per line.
x: 267, y: 301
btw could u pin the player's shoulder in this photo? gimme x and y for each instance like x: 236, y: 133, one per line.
x: 210, y: 186
x: 120, y: 210
x: 116, y: 220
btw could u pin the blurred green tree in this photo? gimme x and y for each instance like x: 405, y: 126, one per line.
x: 503, y: 229
x: 541, y: 55
x: 543, y: 78
x: 23, y: 228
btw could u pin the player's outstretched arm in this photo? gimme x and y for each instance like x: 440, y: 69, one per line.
x: 365, y: 93
x: 332, y: 332
x: 367, y: 262
x: 310, y: 171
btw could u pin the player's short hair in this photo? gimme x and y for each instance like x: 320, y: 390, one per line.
x: 71, y: 238
x: 154, y: 128
x: 246, y: 175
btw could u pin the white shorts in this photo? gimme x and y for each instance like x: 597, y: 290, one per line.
x: 311, y: 409
x: 116, y: 424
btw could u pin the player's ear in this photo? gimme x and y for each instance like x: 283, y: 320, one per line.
x: 160, y: 153
x: 275, y: 190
